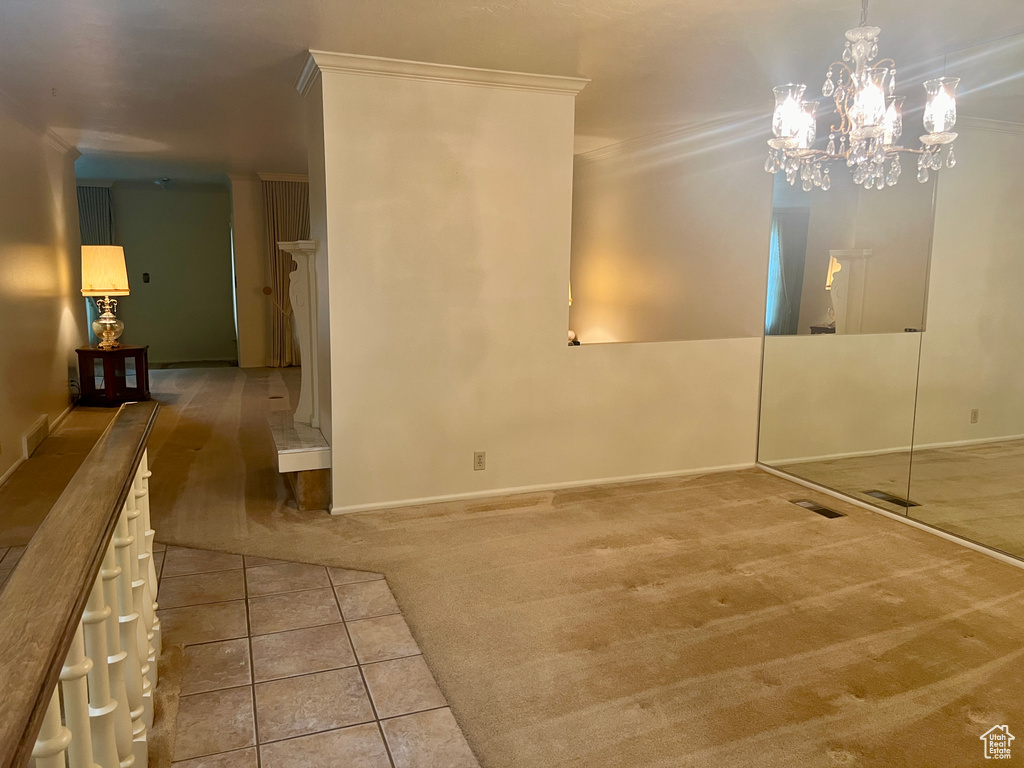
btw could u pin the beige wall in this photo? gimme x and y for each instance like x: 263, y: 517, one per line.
x: 670, y: 238
x: 448, y: 212
x: 252, y: 273
x: 41, y: 309
x: 835, y: 395
x: 972, y: 352
x: 181, y: 236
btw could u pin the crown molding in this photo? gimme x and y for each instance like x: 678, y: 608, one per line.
x: 298, y: 177
x: 308, y: 76
x: 376, y: 66
x: 992, y: 126
x: 17, y: 112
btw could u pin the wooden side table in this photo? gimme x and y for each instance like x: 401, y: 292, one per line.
x: 113, y: 376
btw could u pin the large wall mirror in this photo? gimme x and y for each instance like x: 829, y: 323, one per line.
x: 894, y: 347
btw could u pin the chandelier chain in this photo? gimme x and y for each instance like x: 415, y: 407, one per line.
x: 863, y: 13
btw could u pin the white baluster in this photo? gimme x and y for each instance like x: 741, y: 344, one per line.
x: 130, y: 630
x: 102, y: 708
x: 117, y: 658
x: 75, y: 693
x: 147, y: 562
x: 53, y: 738
x: 139, y: 600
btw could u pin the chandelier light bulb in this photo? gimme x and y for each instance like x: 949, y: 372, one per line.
x: 892, y: 127
x: 868, y: 110
x: 940, y: 104
x: 788, y: 118
x: 808, y: 125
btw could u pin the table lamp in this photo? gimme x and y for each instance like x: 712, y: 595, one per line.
x: 104, y: 274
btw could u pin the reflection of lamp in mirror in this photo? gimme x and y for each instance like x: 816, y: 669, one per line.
x: 572, y: 334
x: 833, y: 267
x: 104, y: 275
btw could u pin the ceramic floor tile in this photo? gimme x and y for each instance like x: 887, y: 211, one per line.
x: 243, y: 758
x: 208, y: 723
x: 296, y: 706
x: 347, y: 576
x: 158, y: 547
x: 294, y: 610
x: 365, y: 600
x: 285, y: 577
x: 385, y: 637
x: 428, y: 740
x: 4, y: 575
x: 359, y: 746
x: 301, y: 651
x: 401, y: 686
x: 179, y: 561
x: 203, y: 623
x: 212, y: 666
x: 200, y: 588
x: 3, y: 554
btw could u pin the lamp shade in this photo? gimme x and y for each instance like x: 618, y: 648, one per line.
x: 103, y: 271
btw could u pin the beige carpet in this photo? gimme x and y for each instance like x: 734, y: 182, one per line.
x: 975, y: 491
x: 701, y: 621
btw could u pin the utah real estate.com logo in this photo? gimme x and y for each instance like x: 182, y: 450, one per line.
x: 997, y: 742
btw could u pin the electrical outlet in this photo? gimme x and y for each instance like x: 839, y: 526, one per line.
x: 479, y: 461
x: 974, y: 415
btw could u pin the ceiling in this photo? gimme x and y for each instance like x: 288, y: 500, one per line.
x: 151, y: 88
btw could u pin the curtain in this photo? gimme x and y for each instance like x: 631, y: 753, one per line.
x: 786, y: 259
x: 286, y: 209
x: 777, y: 309
x: 96, y: 225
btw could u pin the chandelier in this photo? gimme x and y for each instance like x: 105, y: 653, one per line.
x: 868, y: 123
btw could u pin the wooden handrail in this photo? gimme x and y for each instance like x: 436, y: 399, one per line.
x: 46, y: 594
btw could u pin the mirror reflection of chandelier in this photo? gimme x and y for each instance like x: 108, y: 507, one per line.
x: 869, y: 121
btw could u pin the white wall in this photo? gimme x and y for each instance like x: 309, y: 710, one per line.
x: 670, y: 238
x: 448, y: 213
x: 252, y: 273
x: 41, y: 309
x: 835, y: 395
x: 972, y: 351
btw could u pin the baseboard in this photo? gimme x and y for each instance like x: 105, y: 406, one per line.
x: 901, y: 449
x: 63, y: 415
x: 498, y: 492
x: 14, y: 468
x: 993, y: 553
x: 849, y: 455
x: 975, y: 441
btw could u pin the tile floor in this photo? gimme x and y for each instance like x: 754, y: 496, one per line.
x: 290, y: 665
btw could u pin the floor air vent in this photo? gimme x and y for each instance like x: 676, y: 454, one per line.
x: 883, y: 496
x: 815, y: 507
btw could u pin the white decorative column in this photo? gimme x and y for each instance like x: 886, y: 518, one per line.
x: 303, y: 295
x: 848, y: 289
